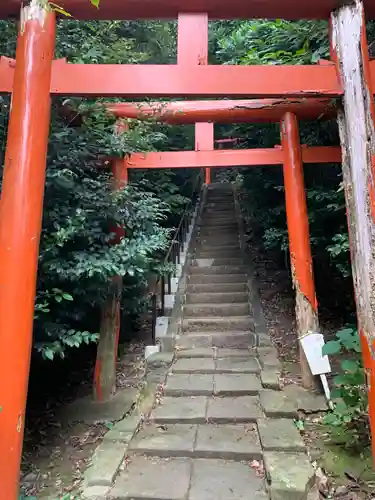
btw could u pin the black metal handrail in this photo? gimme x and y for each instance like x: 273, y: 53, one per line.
x: 173, y: 257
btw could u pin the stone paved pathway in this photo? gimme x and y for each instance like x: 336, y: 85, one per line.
x: 223, y: 412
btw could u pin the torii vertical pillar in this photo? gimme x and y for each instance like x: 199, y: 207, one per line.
x: 20, y: 228
x: 107, y: 352
x: 299, y: 239
x: 204, y: 141
x: 356, y: 125
x: 192, y: 50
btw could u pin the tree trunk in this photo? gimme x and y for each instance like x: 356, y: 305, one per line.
x: 105, y: 367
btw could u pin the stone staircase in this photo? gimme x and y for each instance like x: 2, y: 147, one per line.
x: 223, y: 429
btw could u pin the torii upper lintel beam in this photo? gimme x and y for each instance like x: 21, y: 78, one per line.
x: 216, y: 9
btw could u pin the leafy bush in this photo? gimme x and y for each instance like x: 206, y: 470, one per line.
x: 348, y: 423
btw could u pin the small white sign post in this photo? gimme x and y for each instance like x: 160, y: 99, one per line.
x: 312, y: 344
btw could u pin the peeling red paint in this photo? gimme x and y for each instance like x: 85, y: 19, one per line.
x: 225, y: 111
x: 296, y: 210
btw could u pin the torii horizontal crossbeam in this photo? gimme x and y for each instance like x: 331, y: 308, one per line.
x: 224, y: 111
x: 179, y: 81
x: 216, y: 9
x: 229, y: 158
x: 137, y: 80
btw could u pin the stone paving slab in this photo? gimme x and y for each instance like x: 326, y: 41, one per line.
x: 180, y: 410
x: 93, y: 493
x: 165, y: 440
x: 153, y: 479
x: 268, y: 357
x: 218, y: 353
x: 194, y: 365
x: 123, y: 430
x: 216, y: 298
x: 228, y: 410
x: 270, y: 378
x: 290, y: 475
x: 233, y: 353
x: 203, y: 352
x: 217, y: 339
x: 237, y: 365
x: 278, y: 404
x: 220, y: 324
x: 306, y: 400
x: 280, y: 435
x: 189, y: 385
x: 286, y: 403
x: 236, y: 384
x: 223, y: 480
x: 216, y: 310
x: 231, y: 442
x: 105, y: 463
x: 264, y: 339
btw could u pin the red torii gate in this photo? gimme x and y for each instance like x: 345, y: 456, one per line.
x: 351, y: 76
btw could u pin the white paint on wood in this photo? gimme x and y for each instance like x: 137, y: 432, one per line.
x: 358, y: 145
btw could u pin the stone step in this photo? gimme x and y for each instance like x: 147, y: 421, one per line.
x: 228, y: 223
x: 215, y: 226
x: 219, y: 248
x: 220, y: 198
x: 215, y: 207
x: 216, y: 288
x: 202, y: 409
x: 216, y: 230
x: 216, y: 353
x: 221, y: 204
x: 217, y: 384
x: 221, y: 219
x: 200, y: 279
x: 227, y: 218
x: 244, y: 364
x: 221, y: 324
x: 227, y: 253
x: 216, y: 310
x: 201, y: 269
x: 153, y: 478
x: 231, y: 442
x: 219, y: 211
x: 225, y: 261
x: 218, y: 240
x: 216, y: 298
x: 226, y: 339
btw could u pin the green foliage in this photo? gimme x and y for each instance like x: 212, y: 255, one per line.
x: 77, y: 259
x: 274, y: 42
x: 348, y: 423
x: 285, y: 42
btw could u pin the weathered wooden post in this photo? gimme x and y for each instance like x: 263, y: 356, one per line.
x: 193, y: 51
x: 107, y: 352
x: 356, y: 125
x: 204, y: 141
x: 20, y: 227
x: 299, y: 240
